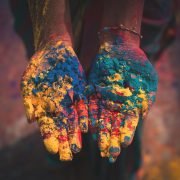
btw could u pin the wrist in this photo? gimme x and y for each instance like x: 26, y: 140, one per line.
x: 50, y: 33
x: 119, y: 36
x: 53, y: 39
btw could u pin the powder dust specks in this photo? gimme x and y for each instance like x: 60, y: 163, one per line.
x: 122, y: 86
x: 53, y: 91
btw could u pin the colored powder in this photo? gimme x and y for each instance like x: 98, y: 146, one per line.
x: 52, y: 86
x: 122, y: 80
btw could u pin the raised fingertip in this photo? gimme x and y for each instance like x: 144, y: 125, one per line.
x: 29, y: 110
x: 75, y: 141
x: 65, y: 153
x: 126, y: 141
x: 51, y: 144
x: 104, y: 154
x: 112, y: 159
x: 83, y: 124
x: 75, y: 148
x: 114, y: 151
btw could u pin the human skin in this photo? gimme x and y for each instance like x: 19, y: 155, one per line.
x: 113, y: 16
x: 53, y: 83
x: 50, y: 19
x: 126, y: 12
x: 122, y: 81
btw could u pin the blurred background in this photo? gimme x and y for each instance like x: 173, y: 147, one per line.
x: 22, y: 155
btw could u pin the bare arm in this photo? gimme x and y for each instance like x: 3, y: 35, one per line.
x: 50, y: 18
x: 126, y: 12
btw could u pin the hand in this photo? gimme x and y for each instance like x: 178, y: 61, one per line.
x: 53, y: 92
x: 121, y: 90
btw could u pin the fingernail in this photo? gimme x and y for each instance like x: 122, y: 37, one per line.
x: 75, y: 148
x: 114, y: 151
x: 112, y: 159
x: 103, y: 154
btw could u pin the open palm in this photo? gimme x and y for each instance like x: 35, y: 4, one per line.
x: 53, y: 92
x: 122, y: 87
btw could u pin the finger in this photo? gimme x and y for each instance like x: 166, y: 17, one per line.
x: 114, y: 149
x: 93, y: 113
x: 146, y: 105
x: 74, y: 132
x: 65, y: 153
x: 29, y: 109
x: 112, y: 159
x: 83, y: 115
x: 50, y: 134
x: 104, y: 132
x: 145, y: 102
x: 129, y: 127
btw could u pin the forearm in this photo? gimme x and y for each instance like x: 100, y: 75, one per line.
x: 50, y: 18
x: 126, y: 12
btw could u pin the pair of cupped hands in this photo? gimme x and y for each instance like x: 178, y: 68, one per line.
x: 118, y: 92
